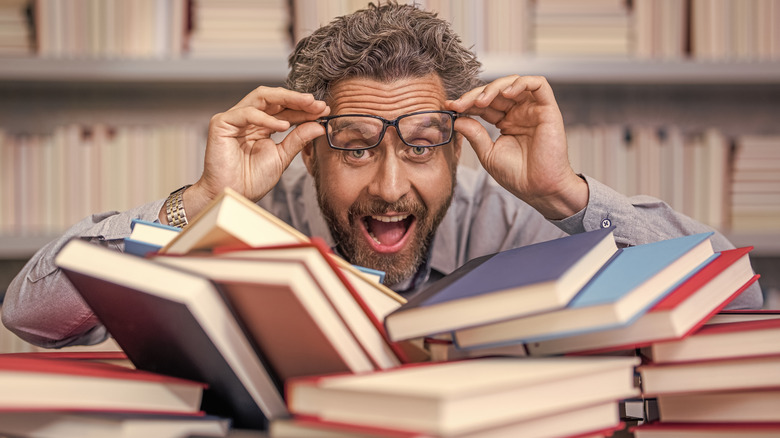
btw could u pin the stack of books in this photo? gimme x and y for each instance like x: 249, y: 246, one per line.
x: 570, y: 27
x: 77, y: 394
x: 484, y: 397
x: 239, y: 29
x: 755, y: 187
x: 241, y: 301
x: 16, y: 37
x: 721, y: 381
x: 290, y: 336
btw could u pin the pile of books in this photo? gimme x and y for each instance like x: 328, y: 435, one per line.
x: 78, y: 394
x: 288, y: 335
x: 755, y: 187
x: 720, y: 381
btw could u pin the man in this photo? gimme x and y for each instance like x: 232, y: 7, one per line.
x: 380, y: 101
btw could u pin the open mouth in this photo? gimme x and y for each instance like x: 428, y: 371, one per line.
x: 388, y: 233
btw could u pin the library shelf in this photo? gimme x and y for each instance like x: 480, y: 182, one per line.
x: 273, y: 67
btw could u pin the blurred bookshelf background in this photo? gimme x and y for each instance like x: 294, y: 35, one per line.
x: 671, y: 98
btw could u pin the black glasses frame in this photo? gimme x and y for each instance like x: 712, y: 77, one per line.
x: 387, y: 123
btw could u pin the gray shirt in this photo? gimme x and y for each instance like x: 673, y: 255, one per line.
x: 42, y: 307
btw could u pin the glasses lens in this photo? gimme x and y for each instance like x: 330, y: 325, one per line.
x: 426, y: 129
x: 354, y: 132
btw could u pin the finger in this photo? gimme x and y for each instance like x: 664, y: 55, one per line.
x: 295, y: 117
x: 248, y: 116
x: 299, y: 137
x: 477, y: 136
x: 275, y: 99
x: 536, y: 85
x: 482, y: 96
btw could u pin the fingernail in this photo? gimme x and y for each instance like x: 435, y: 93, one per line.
x: 507, y: 89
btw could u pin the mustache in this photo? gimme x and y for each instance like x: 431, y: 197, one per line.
x: 368, y: 207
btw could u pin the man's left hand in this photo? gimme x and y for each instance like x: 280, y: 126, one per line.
x: 530, y: 157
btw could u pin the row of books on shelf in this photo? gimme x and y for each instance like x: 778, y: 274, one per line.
x: 727, y: 183
x: 645, y: 29
x: 144, y: 29
x: 49, y: 182
x: 289, y: 336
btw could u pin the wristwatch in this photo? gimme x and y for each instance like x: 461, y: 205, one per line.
x: 174, y: 208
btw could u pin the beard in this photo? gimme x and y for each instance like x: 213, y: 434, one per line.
x: 352, y: 245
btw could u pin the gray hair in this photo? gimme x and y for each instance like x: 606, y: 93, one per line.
x: 383, y: 42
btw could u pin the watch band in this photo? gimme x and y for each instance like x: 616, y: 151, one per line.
x: 174, y: 208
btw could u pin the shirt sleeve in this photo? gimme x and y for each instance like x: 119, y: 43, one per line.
x: 42, y: 307
x: 644, y: 219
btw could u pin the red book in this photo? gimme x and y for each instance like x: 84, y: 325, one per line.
x: 36, y: 383
x: 677, y: 315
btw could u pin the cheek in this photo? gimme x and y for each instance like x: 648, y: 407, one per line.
x: 434, y: 183
x: 340, y: 186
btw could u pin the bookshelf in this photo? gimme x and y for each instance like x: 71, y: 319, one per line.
x: 740, y: 95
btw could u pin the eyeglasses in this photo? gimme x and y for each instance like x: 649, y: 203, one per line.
x: 357, y: 132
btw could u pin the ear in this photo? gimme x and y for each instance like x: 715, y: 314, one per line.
x: 308, y: 154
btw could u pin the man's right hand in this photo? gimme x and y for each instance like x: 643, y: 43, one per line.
x: 240, y: 153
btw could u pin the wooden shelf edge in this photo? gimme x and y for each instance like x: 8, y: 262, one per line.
x: 31, y: 69
x: 273, y: 67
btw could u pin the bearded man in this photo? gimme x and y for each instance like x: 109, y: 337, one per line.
x: 379, y: 105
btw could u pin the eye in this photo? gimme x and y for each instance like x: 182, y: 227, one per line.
x: 419, y: 150
x: 357, y: 154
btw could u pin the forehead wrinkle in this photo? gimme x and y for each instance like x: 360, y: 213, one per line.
x: 389, y: 99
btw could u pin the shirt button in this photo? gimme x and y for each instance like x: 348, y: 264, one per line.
x: 606, y: 223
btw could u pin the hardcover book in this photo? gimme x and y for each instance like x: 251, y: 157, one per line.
x: 627, y: 286
x: 686, y: 308
x: 505, y: 285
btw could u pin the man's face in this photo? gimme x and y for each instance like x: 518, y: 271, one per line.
x: 383, y: 204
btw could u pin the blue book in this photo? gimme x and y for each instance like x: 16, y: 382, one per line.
x: 148, y: 237
x: 630, y: 284
x: 505, y: 285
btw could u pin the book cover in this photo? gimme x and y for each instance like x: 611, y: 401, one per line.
x: 173, y: 322
x: 688, y: 306
x: 627, y: 286
x: 504, y: 285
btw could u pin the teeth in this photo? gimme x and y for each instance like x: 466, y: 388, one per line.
x: 390, y: 218
x: 374, y: 237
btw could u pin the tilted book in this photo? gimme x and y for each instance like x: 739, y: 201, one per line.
x: 505, y: 285
x: 175, y: 322
x: 686, y: 308
x: 631, y: 283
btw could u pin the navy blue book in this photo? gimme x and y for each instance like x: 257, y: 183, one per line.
x: 505, y: 285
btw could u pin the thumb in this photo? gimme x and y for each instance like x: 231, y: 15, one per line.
x: 299, y: 137
x: 477, y: 136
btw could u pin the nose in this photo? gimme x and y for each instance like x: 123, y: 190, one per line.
x: 391, y: 178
